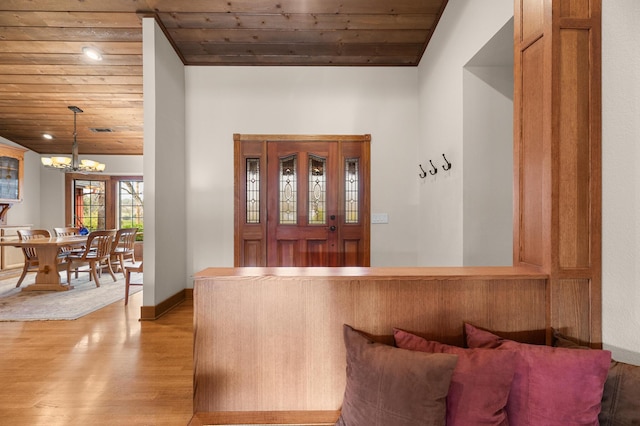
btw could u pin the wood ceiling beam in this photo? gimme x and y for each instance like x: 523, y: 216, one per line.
x: 297, y: 6
x: 315, y: 21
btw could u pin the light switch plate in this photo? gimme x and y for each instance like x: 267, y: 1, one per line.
x: 379, y: 218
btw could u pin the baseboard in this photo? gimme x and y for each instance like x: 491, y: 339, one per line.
x: 150, y: 313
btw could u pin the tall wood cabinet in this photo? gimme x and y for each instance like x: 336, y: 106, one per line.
x: 11, y: 177
x: 11, y: 174
x: 557, y: 153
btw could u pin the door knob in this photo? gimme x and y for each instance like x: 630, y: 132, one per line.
x: 332, y: 228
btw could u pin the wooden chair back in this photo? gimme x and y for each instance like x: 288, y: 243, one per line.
x: 123, y: 247
x: 124, y: 240
x: 65, y: 231
x: 99, y: 244
x: 28, y: 234
x: 96, y: 251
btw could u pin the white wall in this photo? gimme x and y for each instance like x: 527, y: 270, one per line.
x: 621, y: 178
x: 165, y: 238
x: 464, y: 28
x: 222, y: 101
x: 487, y: 194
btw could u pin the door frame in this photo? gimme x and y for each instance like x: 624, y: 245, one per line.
x: 250, y: 240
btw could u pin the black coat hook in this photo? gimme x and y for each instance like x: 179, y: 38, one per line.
x: 423, y: 174
x: 448, y: 166
x: 435, y: 170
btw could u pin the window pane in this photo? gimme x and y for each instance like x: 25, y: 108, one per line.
x: 253, y: 190
x: 351, y: 186
x: 9, y: 172
x: 89, y: 204
x: 317, y: 190
x: 288, y: 191
x: 131, y: 205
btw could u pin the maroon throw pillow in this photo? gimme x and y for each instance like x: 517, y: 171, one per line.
x: 621, y: 395
x: 391, y: 386
x: 551, y: 386
x: 480, y: 384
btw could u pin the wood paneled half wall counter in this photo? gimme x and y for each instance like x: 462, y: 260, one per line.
x: 268, y: 342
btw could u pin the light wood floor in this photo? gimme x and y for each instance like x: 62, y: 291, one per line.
x: 106, y: 368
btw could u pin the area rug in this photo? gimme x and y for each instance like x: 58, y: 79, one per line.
x: 84, y: 298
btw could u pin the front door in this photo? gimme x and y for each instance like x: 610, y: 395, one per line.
x: 310, y: 207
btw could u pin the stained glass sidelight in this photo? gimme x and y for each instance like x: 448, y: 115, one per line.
x: 253, y: 190
x: 317, y: 190
x: 288, y: 191
x: 351, y: 192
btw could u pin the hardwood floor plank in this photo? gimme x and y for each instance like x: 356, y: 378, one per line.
x: 107, y: 368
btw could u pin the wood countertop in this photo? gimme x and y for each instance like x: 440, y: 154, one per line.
x: 484, y: 272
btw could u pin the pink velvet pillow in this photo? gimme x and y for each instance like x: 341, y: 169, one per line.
x: 480, y: 384
x: 551, y: 386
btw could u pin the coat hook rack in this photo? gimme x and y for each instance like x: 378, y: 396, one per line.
x: 423, y: 174
x: 448, y: 166
x: 434, y: 169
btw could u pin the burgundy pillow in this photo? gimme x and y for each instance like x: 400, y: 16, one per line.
x: 391, y: 386
x: 621, y: 396
x: 480, y: 384
x: 551, y: 386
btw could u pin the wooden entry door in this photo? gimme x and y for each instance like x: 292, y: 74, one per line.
x: 302, y: 200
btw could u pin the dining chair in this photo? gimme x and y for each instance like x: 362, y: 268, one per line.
x: 31, y: 262
x: 66, y: 231
x: 129, y: 269
x: 97, y: 251
x: 122, y: 247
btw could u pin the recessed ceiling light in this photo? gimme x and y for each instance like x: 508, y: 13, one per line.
x: 47, y: 136
x: 92, y: 53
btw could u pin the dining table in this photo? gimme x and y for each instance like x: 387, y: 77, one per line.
x: 47, y: 276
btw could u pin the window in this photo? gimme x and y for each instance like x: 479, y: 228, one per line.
x: 105, y: 202
x: 130, y: 205
x: 89, y: 204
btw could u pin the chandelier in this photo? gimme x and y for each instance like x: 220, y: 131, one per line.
x: 72, y: 164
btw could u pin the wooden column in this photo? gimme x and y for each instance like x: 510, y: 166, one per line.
x: 557, y: 157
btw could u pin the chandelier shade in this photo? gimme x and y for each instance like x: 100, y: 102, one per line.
x: 73, y: 164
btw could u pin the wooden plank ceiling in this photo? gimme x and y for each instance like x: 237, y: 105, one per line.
x: 43, y: 70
